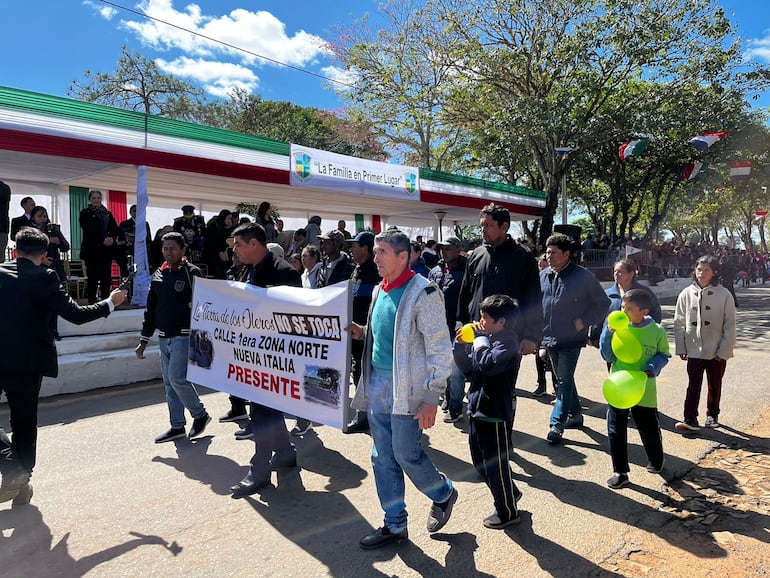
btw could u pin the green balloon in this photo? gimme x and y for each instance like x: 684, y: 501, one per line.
x: 618, y: 320
x: 624, y: 389
x: 626, y: 346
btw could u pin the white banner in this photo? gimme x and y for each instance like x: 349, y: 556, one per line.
x: 325, y: 170
x: 283, y: 347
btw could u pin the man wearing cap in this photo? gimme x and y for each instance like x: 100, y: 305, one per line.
x: 448, y: 275
x: 337, y: 266
x: 416, y: 262
x: 364, y: 279
x: 192, y: 227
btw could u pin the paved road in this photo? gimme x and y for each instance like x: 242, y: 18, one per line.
x: 109, y: 502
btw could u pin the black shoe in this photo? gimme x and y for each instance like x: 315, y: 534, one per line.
x: 575, y: 422
x: 358, y: 426
x: 555, y: 434
x: 618, y: 481
x: 453, y: 417
x: 15, y: 478
x: 234, y: 415
x: 440, y: 513
x: 24, y: 496
x: 302, y: 427
x: 382, y: 537
x: 540, y: 391
x: 172, y: 434
x: 199, y: 425
x: 248, y: 486
x: 246, y: 433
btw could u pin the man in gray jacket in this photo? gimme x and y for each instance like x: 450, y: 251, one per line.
x: 406, y: 361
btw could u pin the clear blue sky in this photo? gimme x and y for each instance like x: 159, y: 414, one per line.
x: 49, y: 43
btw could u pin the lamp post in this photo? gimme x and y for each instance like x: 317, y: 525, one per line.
x: 440, y: 214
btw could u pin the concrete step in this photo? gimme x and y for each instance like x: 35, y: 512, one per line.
x: 97, y: 343
x: 119, y: 321
x: 96, y: 369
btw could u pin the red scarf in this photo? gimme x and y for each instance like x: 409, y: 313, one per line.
x: 400, y: 280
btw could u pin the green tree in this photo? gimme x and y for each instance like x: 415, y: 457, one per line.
x: 541, y: 74
x: 137, y: 84
x: 401, y: 84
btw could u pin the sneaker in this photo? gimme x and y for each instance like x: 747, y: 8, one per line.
x: 199, y: 425
x: 234, y: 415
x: 172, y: 434
x: 358, y: 425
x: 539, y: 392
x: 495, y: 522
x: 711, y: 422
x: 440, y: 513
x: 445, y: 404
x: 453, y: 417
x: 302, y: 427
x: 554, y: 434
x: 618, y: 481
x: 687, y: 425
x: 15, y: 478
x: 24, y: 496
x: 653, y: 470
x: 245, y: 433
x: 574, y: 422
x: 382, y: 537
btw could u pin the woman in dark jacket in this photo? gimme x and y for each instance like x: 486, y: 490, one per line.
x: 100, y: 232
x: 215, y: 248
x: 265, y: 218
x: 57, y: 243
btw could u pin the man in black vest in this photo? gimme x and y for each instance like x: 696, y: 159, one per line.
x: 30, y: 297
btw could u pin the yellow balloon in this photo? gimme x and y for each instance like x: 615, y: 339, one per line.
x: 624, y: 389
x: 467, y: 333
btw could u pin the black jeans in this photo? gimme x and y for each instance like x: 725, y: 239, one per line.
x: 646, y: 420
x: 22, y: 391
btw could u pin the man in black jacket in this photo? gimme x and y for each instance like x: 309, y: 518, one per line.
x: 168, y: 310
x: 30, y: 297
x: 5, y: 201
x: 271, y: 439
x: 503, y: 266
x: 364, y: 279
x: 25, y: 220
x: 337, y: 266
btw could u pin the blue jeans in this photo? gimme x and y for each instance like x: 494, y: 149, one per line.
x: 456, y: 387
x: 564, y: 363
x: 397, y: 449
x: 180, y: 393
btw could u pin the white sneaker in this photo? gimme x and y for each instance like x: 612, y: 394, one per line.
x: 711, y: 422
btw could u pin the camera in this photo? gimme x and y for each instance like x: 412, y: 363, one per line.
x: 52, y: 228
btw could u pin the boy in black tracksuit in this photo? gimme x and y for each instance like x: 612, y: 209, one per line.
x: 492, y: 363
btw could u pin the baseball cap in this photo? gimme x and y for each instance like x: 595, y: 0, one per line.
x: 335, y: 236
x: 363, y: 238
x: 453, y: 241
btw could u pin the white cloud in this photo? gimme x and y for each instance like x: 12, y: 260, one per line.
x: 759, y: 49
x: 106, y: 12
x: 259, y: 33
x: 217, y: 78
x: 344, y: 76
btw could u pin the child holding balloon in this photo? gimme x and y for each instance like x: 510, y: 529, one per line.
x: 488, y: 353
x: 638, y: 349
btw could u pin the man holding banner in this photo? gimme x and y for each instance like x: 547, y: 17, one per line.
x: 273, y: 448
x: 406, y: 362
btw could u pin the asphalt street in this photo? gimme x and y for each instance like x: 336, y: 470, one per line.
x: 110, y: 502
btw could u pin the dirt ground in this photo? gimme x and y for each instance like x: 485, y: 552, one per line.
x: 715, y: 522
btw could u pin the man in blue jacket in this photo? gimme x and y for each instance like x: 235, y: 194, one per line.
x: 573, y: 303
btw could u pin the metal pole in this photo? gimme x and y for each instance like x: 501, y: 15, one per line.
x: 564, y: 199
